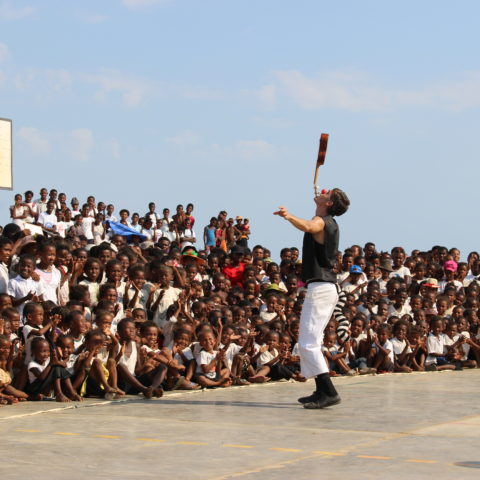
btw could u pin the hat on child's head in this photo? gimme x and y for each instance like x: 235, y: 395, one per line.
x: 386, y: 265
x: 356, y: 269
x: 74, y: 201
x: 431, y: 283
x: 238, y: 217
x: 450, y: 265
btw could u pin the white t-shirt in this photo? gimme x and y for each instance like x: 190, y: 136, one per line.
x: 48, y: 220
x: 266, y: 357
x: 19, y: 287
x: 190, y: 233
x: 399, y: 346
x: 387, y: 346
x: 230, y: 353
x: 33, y: 364
x: 4, y: 277
x: 169, y: 297
x: 87, y: 227
x: 434, y: 345
x: 51, y: 282
x: 26, y: 330
x: 130, y: 361
x: 405, y: 309
x: 204, y: 358
x: 187, y: 353
x: 403, y: 271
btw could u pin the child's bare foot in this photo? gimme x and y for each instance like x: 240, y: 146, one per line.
x: 299, y: 377
x: 226, y: 382
x: 119, y: 392
x: 158, y: 392
x: 259, y: 379
x: 240, y: 381
x: 148, y: 393
x: 75, y: 397
x: 62, y: 399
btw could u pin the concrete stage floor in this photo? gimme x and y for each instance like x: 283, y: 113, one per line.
x: 387, y: 427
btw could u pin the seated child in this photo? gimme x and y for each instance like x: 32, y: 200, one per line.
x: 45, y: 371
x: 381, y: 355
x: 401, y: 348
x: 436, y: 359
x: 129, y: 364
x: 418, y: 346
x: 8, y: 394
x: 335, y: 356
x: 211, y: 370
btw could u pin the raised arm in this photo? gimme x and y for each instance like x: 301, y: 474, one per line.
x: 314, y: 226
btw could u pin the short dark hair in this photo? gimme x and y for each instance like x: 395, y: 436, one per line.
x: 340, y: 203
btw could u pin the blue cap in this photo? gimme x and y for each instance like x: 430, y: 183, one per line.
x: 356, y: 269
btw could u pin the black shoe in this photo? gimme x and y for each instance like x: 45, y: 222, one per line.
x: 310, y: 398
x: 323, y: 402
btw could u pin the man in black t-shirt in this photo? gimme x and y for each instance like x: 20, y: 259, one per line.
x: 320, y: 244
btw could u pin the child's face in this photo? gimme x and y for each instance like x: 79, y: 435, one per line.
x: 401, y: 332
x: 356, y: 328
x: 35, y: 318
x: 239, y: 316
x: 330, y: 341
x: 139, y: 316
x: 93, y: 271
x: 127, y: 332
x: 382, y: 335
x: 272, y: 304
x: 151, y: 337
x: 437, y: 327
x: 105, y: 324
x: 272, y: 340
x: 42, y: 352
x: 66, y: 347
x: 80, y: 324
x: 111, y: 295
x: 226, y: 335
x: 441, y: 306
x: 5, y: 346
x: 164, y: 277
x: 285, y: 342
x: 6, y: 252
x: 139, y: 279
x: 115, y: 273
x: 26, y: 268
x: 207, y: 341
x: 462, y: 325
x: 183, y: 340
x: 451, y: 331
x: 5, y: 302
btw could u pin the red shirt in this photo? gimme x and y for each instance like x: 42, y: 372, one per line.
x: 235, y: 274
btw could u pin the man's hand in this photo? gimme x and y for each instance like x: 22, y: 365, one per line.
x: 281, y: 212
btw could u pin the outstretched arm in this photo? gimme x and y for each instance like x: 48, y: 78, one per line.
x: 314, y: 226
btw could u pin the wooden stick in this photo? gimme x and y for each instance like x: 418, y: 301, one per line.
x: 322, y: 151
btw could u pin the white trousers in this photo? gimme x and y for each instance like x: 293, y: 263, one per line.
x: 317, y: 310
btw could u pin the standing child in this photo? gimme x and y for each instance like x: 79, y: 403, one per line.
x: 23, y: 288
x: 48, y: 273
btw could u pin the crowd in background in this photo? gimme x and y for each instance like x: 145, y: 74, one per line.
x: 95, y: 304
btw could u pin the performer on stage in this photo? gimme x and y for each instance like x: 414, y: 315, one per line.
x: 320, y: 245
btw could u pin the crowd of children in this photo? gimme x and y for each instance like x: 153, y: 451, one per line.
x: 86, y: 311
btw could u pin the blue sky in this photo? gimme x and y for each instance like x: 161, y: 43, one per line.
x: 221, y: 103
